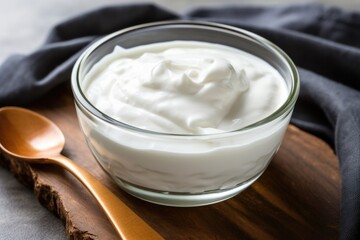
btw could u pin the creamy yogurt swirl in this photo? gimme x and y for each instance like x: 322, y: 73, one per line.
x: 185, y: 87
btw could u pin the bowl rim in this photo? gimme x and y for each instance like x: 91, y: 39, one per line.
x: 82, y: 101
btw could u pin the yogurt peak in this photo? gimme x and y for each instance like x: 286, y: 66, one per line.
x: 185, y: 87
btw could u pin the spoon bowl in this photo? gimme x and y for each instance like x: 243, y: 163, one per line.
x: 31, y: 137
x: 26, y: 134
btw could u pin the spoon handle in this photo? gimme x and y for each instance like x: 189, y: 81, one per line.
x: 126, y: 222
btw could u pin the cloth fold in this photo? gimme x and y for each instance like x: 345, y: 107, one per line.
x: 324, y: 43
x: 26, y: 78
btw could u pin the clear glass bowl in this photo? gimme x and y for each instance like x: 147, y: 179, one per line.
x: 183, y: 170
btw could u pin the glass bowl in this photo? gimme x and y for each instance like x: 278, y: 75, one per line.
x: 177, y: 169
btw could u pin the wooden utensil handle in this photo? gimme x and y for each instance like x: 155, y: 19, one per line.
x: 126, y: 222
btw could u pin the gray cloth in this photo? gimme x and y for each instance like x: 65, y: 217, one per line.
x: 323, y: 41
x: 21, y: 209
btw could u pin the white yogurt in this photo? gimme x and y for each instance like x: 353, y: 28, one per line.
x: 188, y: 88
x: 185, y: 87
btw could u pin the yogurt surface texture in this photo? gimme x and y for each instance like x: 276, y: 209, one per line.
x: 185, y: 87
x: 200, y: 93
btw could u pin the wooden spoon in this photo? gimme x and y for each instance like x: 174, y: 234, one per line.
x: 33, y: 138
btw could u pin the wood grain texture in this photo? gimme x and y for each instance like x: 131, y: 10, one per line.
x: 298, y: 196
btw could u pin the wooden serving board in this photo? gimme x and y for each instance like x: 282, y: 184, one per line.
x: 298, y: 196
